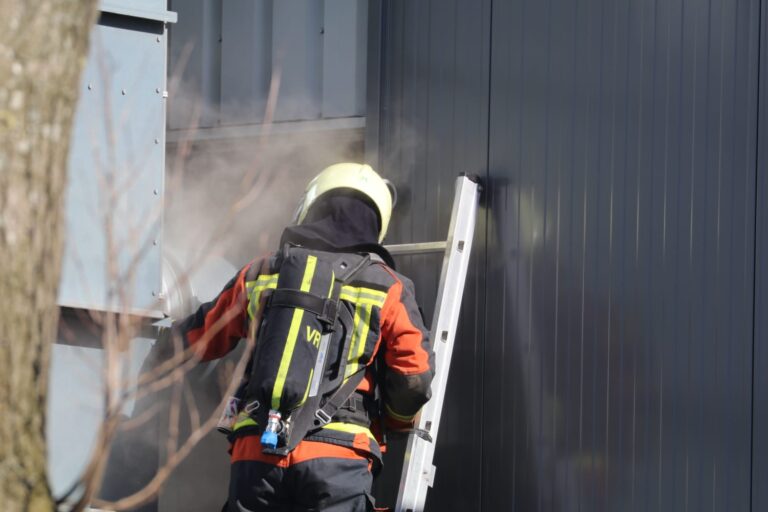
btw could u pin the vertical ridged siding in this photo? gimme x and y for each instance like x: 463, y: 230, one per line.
x: 760, y: 399
x: 622, y: 167
x: 606, y: 349
x: 457, y: 139
x: 432, y: 125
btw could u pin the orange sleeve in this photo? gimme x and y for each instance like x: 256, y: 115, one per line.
x: 217, y: 326
x: 408, y: 356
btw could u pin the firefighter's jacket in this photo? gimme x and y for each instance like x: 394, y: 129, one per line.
x: 387, y: 323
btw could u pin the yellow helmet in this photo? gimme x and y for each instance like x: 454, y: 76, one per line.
x: 359, y: 177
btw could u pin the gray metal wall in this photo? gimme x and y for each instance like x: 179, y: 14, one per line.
x: 117, y: 163
x: 607, y: 358
x: 760, y: 367
x: 225, y: 54
x: 428, y: 124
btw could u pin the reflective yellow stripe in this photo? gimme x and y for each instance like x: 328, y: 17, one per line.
x: 246, y: 421
x: 364, y: 299
x: 309, y: 272
x: 359, y: 339
x: 349, y: 428
x: 364, y: 335
x: 254, y: 290
x: 262, y: 281
x: 309, y: 384
x: 360, y: 295
x: 396, y: 416
x: 353, y: 342
x: 285, y: 362
x: 293, y: 333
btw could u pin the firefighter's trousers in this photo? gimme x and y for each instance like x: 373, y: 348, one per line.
x: 315, y: 477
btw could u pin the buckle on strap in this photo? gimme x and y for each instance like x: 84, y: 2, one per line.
x: 322, y: 416
x: 251, y: 407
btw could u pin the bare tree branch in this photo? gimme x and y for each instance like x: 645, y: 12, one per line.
x: 177, y: 456
x: 118, y: 328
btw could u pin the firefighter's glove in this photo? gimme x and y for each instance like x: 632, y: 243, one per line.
x: 163, y: 347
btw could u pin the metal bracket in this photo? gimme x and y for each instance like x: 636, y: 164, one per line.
x: 429, y: 475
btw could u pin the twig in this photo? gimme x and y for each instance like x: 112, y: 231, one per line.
x: 176, y: 457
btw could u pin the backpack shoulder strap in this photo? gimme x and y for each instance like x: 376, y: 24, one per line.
x: 324, y: 414
x: 346, y: 270
x: 328, y: 409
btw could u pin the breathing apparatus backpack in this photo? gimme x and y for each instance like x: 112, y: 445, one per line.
x: 297, y: 377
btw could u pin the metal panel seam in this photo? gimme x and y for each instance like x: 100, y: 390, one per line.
x: 486, y: 214
x: 758, y: 116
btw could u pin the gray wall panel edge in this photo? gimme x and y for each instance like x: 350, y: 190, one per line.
x: 112, y: 149
x: 147, y: 9
x: 373, y: 80
x: 760, y: 318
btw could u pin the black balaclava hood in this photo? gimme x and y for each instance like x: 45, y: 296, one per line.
x: 339, y: 222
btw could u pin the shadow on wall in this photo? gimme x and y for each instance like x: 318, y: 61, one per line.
x: 555, y: 347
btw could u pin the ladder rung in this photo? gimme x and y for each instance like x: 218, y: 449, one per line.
x: 417, y: 248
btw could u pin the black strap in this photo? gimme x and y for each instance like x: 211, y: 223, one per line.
x: 328, y: 410
x: 347, y: 319
x: 344, y: 272
x: 325, y: 309
x: 354, y: 403
x: 359, y: 409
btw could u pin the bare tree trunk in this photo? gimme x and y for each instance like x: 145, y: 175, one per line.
x: 43, y: 46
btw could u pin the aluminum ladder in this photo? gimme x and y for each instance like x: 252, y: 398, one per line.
x: 418, y: 472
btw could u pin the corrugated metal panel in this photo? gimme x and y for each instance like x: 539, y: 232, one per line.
x: 246, y: 60
x: 195, y: 64
x: 427, y: 136
x: 224, y: 54
x: 760, y: 401
x: 344, y: 57
x: 621, y: 237
x: 297, y: 43
x: 611, y: 357
x: 116, y: 168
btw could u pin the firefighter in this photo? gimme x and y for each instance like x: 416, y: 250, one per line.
x: 345, y: 210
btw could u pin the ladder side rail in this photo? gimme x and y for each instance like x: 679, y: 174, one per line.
x: 418, y: 471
